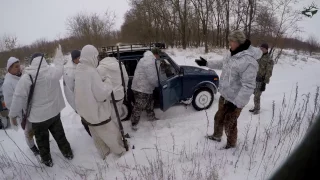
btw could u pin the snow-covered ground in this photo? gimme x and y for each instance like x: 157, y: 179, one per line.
x: 174, y: 147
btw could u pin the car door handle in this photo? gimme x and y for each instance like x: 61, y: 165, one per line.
x: 165, y: 86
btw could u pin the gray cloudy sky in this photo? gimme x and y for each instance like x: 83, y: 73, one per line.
x: 30, y: 20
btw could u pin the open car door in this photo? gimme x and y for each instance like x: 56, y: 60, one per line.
x: 170, y: 83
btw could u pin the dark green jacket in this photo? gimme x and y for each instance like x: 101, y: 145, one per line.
x: 265, y: 69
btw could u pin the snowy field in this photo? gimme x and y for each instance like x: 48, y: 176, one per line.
x: 174, y: 147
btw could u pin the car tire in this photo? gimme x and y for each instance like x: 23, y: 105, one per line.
x: 126, y: 110
x: 202, y: 99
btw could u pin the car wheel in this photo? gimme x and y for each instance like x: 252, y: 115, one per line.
x: 202, y: 99
x: 125, y: 113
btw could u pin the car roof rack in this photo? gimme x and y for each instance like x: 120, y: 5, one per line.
x: 126, y: 47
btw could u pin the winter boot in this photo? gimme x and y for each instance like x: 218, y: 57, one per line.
x: 214, y: 138
x: 254, y: 111
x: 35, y: 150
x: 134, y: 127
x: 127, y: 135
x: 153, y: 118
x: 48, y: 163
x: 228, y: 146
x: 69, y: 155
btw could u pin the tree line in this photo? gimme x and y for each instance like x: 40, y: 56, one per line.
x: 179, y: 23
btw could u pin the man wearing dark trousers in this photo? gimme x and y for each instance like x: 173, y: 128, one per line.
x: 46, y: 105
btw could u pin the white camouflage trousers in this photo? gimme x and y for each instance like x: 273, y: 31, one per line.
x: 107, y: 138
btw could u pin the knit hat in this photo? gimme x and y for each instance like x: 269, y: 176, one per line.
x: 156, y: 51
x: 75, y: 54
x: 265, y: 45
x: 11, y: 61
x: 237, y: 36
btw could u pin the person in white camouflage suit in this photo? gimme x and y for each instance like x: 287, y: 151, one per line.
x: 144, y: 82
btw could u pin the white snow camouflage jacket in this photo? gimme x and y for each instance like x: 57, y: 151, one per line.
x: 238, y: 77
x: 68, y: 82
x: 47, y: 101
x: 109, y: 69
x: 145, y: 76
x: 8, y: 87
x: 92, y: 95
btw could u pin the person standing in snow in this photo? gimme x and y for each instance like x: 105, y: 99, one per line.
x: 109, y: 69
x: 46, y: 104
x: 145, y: 80
x: 69, y: 80
x: 263, y: 77
x: 10, y: 82
x: 237, y: 83
x: 92, y: 99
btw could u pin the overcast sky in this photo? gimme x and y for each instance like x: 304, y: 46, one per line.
x: 30, y: 20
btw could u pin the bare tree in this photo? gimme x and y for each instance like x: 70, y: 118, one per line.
x: 313, y: 44
x: 91, y: 28
x: 8, y: 42
x: 203, y: 10
x: 288, y: 19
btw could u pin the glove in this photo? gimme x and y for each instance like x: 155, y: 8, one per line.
x: 14, y: 123
x: 259, y: 79
x: 58, y: 57
x: 258, y: 85
x: 231, y: 106
x: 263, y: 87
x: 58, y: 52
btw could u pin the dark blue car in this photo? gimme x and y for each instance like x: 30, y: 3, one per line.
x: 177, y: 84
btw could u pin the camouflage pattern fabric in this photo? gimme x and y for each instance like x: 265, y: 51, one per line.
x: 41, y: 131
x: 227, y: 119
x: 257, y: 97
x: 142, y: 102
x: 263, y: 77
x: 265, y: 69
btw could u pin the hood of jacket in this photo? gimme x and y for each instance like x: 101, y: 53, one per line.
x: 148, y: 54
x: 33, y: 67
x: 109, y: 61
x: 89, y: 56
x: 108, y: 65
x: 253, y: 52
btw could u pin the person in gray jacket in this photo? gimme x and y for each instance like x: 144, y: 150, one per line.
x: 144, y: 82
x: 237, y: 83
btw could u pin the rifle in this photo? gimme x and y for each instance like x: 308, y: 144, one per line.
x: 125, y: 143
x: 122, y: 78
x: 30, y: 96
